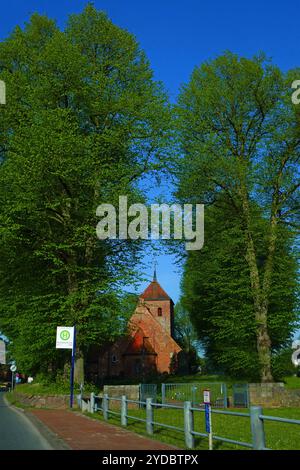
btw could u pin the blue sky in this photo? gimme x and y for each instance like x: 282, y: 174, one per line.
x: 177, y: 35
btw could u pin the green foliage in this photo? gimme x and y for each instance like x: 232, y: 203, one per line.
x: 186, y: 336
x: 239, y: 136
x: 283, y: 366
x: 83, y: 121
x: 185, y: 333
x: 217, y: 294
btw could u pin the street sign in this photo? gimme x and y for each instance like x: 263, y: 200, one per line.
x: 2, y: 352
x: 296, y: 358
x: 296, y: 353
x: 13, y: 368
x: 208, y: 427
x: 207, y: 418
x: 206, y: 396
x: 64, y: 337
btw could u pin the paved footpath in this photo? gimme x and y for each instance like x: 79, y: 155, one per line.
x: 83, y: 433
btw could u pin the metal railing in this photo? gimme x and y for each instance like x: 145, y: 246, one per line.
x: 261, y: 418
x: 181, y: 392
x: 256, y: 417
x: 224, y: 439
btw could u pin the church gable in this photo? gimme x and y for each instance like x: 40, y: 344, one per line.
x: 158, y: 336
x: 148, y: 346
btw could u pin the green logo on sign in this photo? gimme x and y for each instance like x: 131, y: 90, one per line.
x: 65, y: 335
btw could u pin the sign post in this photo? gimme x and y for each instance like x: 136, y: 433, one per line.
x: 13, y: 369
x: 72, y: 369
x: 66, y: 339
x: 208, y: 426
x: 296, y: 353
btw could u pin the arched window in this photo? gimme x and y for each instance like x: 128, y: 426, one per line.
x: 114, y: 359
x: 159, y: 312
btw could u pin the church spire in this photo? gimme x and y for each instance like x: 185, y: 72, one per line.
x: 154, y: 273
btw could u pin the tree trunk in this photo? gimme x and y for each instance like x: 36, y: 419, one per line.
x: 263, y: 342
x: 72, y: 289
x: 79, y: 367
x: 263, y: 346
x: 260, y: 297
x: 263, y: 339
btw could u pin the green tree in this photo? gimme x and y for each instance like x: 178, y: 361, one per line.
x: 186, y: 336
x: 217, y: 293
x: 83, y: 121
x: 185, y: 332
x: 240, y: 138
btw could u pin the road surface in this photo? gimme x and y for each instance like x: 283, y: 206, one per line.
x: 17, y: 432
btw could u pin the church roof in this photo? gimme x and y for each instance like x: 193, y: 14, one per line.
x: 154, y: 292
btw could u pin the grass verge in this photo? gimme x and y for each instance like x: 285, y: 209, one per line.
x: 279, y: 436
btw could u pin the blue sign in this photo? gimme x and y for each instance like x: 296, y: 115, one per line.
x: 207, y: 418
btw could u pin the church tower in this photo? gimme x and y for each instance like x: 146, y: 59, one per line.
x: 160, y: 305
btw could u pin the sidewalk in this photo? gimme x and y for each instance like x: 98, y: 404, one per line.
x: 83, y: 433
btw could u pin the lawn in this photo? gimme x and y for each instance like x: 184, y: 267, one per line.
x: 292, y: 382
x: 51, y: 389
x: 42, y: 389
x: 279, y: 436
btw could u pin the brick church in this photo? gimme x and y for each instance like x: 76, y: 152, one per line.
x: 149, y: 346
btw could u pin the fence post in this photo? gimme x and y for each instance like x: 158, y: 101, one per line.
x: 194, y: 390
x: 124, y: 411
x: 189, y: 425
x: 163, y: 393
x: 225, y: 395
x: 257, y: 428
x: 105, y: 405
x: 149, y: 416
x: 247, y: 396
x: 92, y: 402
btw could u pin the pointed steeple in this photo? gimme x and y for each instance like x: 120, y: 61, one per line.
x: 154, y: 274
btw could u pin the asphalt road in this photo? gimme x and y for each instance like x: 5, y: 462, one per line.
x: 17, y: 432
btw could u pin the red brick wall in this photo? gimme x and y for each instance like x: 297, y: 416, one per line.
x: 158, y: 329
x: 166, y: 320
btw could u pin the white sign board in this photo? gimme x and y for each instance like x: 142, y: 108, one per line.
x: 2, y: 92
x: 64, y: 337
x: 206, y: 396
x: 2, y: 352
x: 13, y: 368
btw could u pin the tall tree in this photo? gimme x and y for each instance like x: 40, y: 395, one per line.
x: 240, y: 138
x: 84, y: 120
x: 217, y: 293
x: 185, y: 332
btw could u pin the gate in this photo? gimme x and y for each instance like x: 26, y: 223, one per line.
x: 240, y: 393
x: 180, y: 392
x: 148, y: 391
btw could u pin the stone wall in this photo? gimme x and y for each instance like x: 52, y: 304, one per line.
x: 44, y: 401
x: 132, y: 392
x: 273, y: 395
